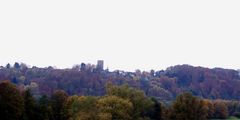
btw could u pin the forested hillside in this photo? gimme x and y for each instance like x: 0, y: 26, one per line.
x: 118, y: 103
x: 87, y: 79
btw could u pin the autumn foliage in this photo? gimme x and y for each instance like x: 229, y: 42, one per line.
x: 87, y: 93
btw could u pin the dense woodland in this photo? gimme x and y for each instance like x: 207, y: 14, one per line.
x: 119, y: 103
x: 87, y: 79
x: 86, y: 92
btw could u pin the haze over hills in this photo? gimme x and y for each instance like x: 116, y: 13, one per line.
x: 88, y: 79
x: 163, y: 60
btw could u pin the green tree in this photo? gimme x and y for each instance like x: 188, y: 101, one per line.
x: 58, y: 101
x: 115, y: 108
x: 82, y: 108
x: 188, y: 107
x: 141, y: 103
x: 45, y: 109
x: 11, y: 102
x: 30, y: 106
x: 155, y: 113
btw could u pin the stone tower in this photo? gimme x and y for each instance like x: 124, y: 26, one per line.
x: 100, y: 64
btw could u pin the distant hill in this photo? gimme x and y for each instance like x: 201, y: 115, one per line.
x: 87, y: 79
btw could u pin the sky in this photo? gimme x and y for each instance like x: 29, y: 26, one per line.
x: 126, y: 34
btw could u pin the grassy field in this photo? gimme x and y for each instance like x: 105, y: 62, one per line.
x: 233, y: 118
x: 230, y: 118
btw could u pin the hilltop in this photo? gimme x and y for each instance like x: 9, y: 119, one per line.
x: 88, y: 79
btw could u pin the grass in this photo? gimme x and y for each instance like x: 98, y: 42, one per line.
x: 233, y: 118
x: 230, y: 118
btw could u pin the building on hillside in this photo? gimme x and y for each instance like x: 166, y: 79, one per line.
x: 100, y: 64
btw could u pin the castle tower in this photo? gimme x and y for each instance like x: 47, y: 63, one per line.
x: 100, y: 64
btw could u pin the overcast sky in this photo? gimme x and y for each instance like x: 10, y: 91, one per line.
x: 126, y: 34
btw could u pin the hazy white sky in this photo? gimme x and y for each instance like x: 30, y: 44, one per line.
x: 127, y: 34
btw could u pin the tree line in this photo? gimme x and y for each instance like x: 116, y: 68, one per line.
x: 119, y: 103
x: 87, y: 80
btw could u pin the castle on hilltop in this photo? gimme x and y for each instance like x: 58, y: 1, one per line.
x: 100, y: 64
